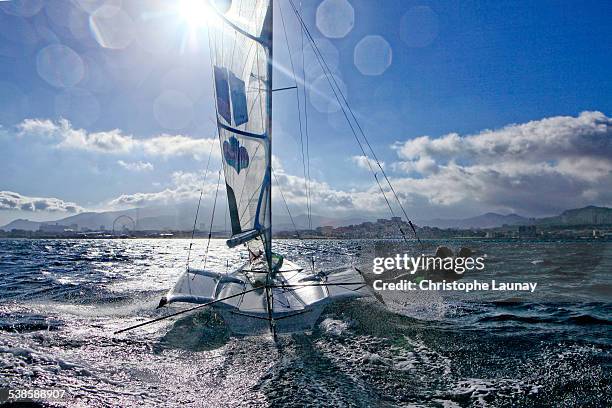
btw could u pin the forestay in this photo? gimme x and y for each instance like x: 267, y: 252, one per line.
x: 241, y: 48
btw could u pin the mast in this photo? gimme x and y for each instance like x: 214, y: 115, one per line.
x: 242, y: 74
x: 267, y: 33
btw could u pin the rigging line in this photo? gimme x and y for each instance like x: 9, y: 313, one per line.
x: 361, y: 130
x: 225, y: 216
x: 195, y: 221
x: 185, y: 311
x: 390, y: 209
x: 329, y: 74
x: 261, y: 84
x: 299, y: 107
x: 286, y: 88
x: 212, y: 218
x: 194, y: 228
x: 378, y: 163
x: 267, y: 239
x: 308, y: 196
x: 286, y: 205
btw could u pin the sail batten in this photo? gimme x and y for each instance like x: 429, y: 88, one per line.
x: 241, y: 50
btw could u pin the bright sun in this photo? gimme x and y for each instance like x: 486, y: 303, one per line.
x: 194, y: 12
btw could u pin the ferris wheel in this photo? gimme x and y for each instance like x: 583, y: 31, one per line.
x: 123, y: 224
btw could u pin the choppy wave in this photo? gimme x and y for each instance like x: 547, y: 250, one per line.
x: 62, y: 300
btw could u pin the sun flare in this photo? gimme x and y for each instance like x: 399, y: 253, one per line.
x: 194, y: 12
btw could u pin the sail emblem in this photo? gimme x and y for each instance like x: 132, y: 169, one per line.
x: 235, y: 155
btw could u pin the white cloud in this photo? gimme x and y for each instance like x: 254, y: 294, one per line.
x: 14, y: 201
x: 115, y: 142
x: 135, y: 166
x: 184, y: 187
x: 535, y: 168
x: 324, y: 198
x: 40, y: 127
x: 365, y: 163
x: 553, y: 138
x: 179, y: 145
x: 422, y: 165
x: 66, y: 137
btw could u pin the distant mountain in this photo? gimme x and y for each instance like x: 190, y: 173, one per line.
x: 488, y: 220
x: 590, y: 215
x: 150, y: 218
x: 181, y: 218
x: 22, y: 224
x: 171, y: 218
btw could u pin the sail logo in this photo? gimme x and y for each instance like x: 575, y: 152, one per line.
x: 235, y: 155
x: 231, y: 97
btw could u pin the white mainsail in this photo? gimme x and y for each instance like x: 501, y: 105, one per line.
x: 259, y: 295
x: 241, y: 49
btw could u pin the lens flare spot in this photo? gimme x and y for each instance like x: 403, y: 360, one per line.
x: 335, y: 18
x: 112, y: 27
x: 60, y: 66
x: 372, y: 55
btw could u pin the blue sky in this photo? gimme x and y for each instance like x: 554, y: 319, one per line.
x: 107, y: 104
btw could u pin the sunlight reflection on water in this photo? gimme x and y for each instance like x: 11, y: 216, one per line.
x: 62, y: 300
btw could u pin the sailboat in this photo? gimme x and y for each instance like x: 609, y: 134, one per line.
x: 268, y: 293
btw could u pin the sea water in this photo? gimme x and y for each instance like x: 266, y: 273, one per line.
x: 61, y: 301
